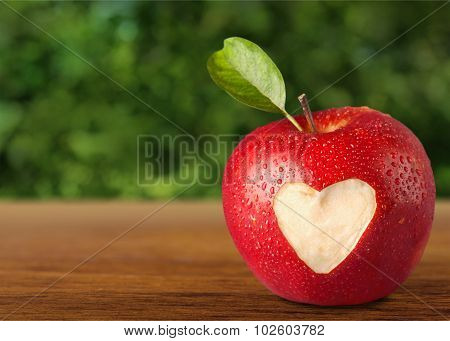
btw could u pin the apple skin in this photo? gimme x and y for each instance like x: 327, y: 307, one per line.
x: 370, y: 146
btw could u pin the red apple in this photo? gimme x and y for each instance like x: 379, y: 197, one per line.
x: 334, y: 217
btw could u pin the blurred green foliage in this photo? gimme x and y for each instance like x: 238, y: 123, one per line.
x: 67, y: 131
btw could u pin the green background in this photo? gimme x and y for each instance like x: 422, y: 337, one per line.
x: 66, y: 131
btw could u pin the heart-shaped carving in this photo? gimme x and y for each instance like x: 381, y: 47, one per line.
x: 324, y: 227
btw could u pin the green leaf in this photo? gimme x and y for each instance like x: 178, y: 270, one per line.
x: 248, y: 74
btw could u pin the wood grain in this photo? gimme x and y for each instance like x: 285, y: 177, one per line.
x: 180, y: 264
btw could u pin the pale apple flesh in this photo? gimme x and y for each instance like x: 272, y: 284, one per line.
x: 324, y: 227
x: 392, y: 188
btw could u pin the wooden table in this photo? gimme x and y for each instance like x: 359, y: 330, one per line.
x: 180, y: 264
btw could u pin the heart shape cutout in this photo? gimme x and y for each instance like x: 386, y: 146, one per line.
x: 324, y: 226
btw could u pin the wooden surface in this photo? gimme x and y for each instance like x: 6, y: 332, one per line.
x: 179, y: 264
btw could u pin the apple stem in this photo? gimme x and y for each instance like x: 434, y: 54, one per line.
x: 307, y: 112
